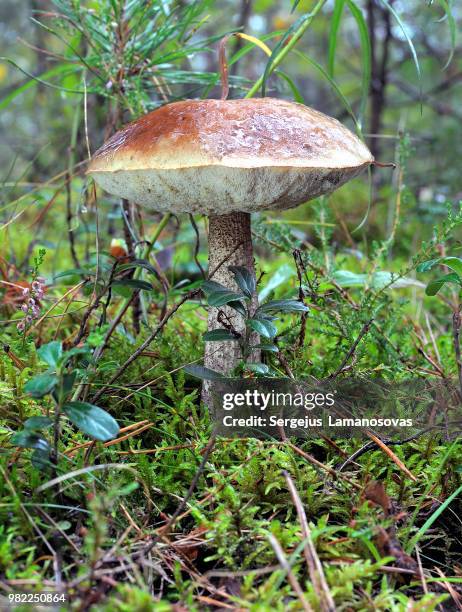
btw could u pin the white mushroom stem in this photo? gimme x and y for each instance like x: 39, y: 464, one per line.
x: 230, y: 244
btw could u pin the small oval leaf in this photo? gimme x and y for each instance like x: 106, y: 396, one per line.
x: 217, y: 335
x: 28, y: 439
x: 258, y: 368
x: 92, y: 420
x: 41, y: 385
x: 37, y: 423
x: 245, y: 280
x: 283, y: 306
x: 220, y: 298
x: 263, y: 327
x: 202, y: 372
x: 51, y: 353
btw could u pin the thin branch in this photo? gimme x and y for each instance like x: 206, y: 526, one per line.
x: 147, y: 342
x: 313, y: 562
x: 353, y: 348
x: 288, y: 570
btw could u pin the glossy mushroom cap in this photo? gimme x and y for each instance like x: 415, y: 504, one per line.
x: 217, y: 157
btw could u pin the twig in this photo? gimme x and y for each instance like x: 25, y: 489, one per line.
x: 224, y: 260
x: 69, y: 217
x: 301, y: 294
x: 353, y: 348
x: 288, y: 570
x: 197, y: 245
x: 312, y: 560
x: 147, y: 342
x: 113, y: 326
x: 182, y: 505
x: 421, y: 572
x: 53, y: 306
x: 192, y: 486
x: 93, y: 306
x: 322, y: 466
x: 371, y: 445
x: 392, y: 456
x: 450, y: 589
x: 130, y: 240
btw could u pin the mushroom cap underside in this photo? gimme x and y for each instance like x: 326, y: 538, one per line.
x: 216, y: 156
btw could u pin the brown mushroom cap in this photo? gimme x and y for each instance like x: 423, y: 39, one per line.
x: 216, y: 156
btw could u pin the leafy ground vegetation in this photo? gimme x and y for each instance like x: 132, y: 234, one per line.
x: 112, y: 491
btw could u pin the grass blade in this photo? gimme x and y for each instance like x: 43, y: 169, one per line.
x: 408, y: 40
x: 295, y: 32
x: 296, y: 26
x: 331, y: 82
x: 333, y: 35
x: 432, y: 518
x: 4, y: 102
x: 452, y: 30
x: 298, y: 97
x: 366, y: 56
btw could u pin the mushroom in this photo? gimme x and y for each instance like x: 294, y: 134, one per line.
x: 227, y: 159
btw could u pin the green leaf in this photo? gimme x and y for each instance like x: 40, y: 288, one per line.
x: 210, y: 286
x: 427, y: 265
x: 434, y: 286
x: 333, y: 34
x: 432, y: 518
x: 408, y: 40
x: 4, y: 102
x: 41, y: 385
x: 293, y: 88
x: 245, y: 280
x: 219, y: 334
x: 263, y: 327
x: 283, y: 306
x: 51, y: 353
x: 272, y: 348
x: 138, y: 263
x: 27, y: 439
x: 132, y: 283
x: 330, y: 80
x: 258, y: 368
x: 238, y: 307
x: 202, y: 372
x: 454, y: 263
x: 297, y: 25
x: 40, y: 459
x: 68, y: 383
x: 366, y: 55
x: 73, y: 352
x: 220, y: 298
x: 37, y: 423
x: 92, y: 420
x: 452, y: 30
x: 379, y: 280
x: 282, y: 274
x: 74, y: 272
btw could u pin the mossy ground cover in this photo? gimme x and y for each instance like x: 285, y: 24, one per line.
x: 99, y: 529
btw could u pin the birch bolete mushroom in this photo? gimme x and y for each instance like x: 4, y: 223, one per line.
x: 227, y: 159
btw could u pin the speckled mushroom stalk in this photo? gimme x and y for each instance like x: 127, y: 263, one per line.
x: 227, y: 159
x: 230, y: 244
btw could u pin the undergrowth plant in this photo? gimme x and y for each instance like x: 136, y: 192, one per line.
x: 258, y: 318
x: 58, y: 382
